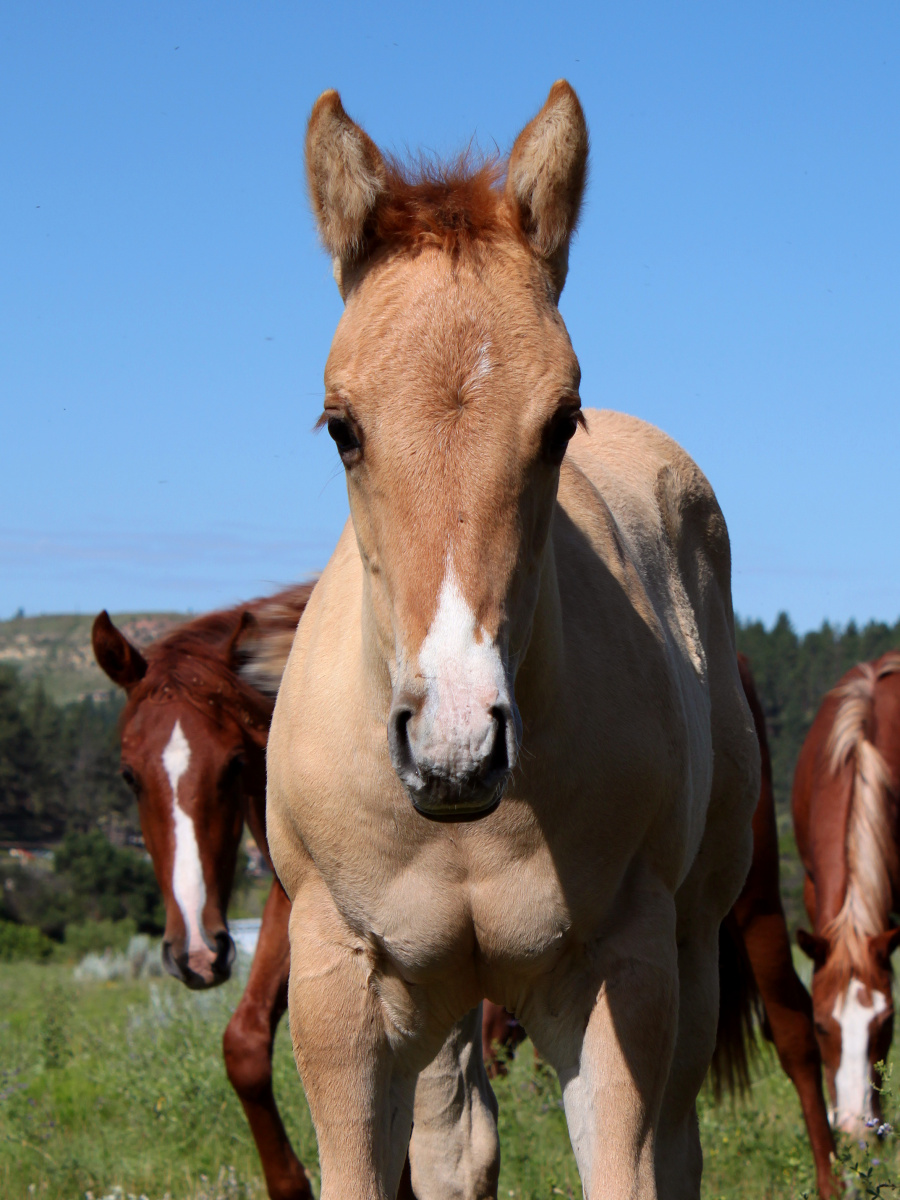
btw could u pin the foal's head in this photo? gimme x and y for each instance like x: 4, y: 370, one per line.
x: 193, y: 745
x: 451, y: 394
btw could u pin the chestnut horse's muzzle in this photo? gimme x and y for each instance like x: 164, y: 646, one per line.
x: 202, y: 969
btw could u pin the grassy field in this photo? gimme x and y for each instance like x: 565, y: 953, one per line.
x: 118, y: 1089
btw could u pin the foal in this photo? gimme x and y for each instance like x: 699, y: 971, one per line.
x: 511, y: 755
x: 194, y: 733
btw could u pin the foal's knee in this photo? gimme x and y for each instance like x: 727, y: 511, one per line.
x: 247, y: 1049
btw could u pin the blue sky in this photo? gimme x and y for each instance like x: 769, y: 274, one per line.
x: 165, y: 310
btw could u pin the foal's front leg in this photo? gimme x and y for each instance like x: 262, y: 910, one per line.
x: 606, y: 1019
x: 357, y: 1045
x: 455, y: 1151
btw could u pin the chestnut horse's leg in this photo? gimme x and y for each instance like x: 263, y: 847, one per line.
x: 789, y: 1013
x: 247, y: 1044
x: 759, y: 917
x: 500, y: 1032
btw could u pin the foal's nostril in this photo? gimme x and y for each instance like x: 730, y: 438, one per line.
x: 402, y: 755
x: 498, y: 762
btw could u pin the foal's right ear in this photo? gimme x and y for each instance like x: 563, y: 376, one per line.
x: 813, y: 946
x: 346, y: 175
x: 122, y: 662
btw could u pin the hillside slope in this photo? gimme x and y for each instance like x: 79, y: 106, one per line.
x: 57, y: 649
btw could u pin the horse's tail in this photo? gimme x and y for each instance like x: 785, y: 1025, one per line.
x: 740, y: 1014
x: 871, y: 848
x: 740, y: 1004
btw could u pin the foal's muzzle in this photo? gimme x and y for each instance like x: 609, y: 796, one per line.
x: 459, y: 779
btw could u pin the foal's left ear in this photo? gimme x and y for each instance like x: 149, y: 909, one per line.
x: 546, y: 176
x: 346, y: 175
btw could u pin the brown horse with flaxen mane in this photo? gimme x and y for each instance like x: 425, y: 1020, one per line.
x: 194, y: 732
x: 846, y: 803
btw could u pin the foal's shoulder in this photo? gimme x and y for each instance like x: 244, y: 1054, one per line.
x: 648, y: 480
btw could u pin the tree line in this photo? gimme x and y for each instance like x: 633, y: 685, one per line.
x: 59, y: 764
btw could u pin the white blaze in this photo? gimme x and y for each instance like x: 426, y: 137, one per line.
x: 188, y: 885
x: 852, y: 1083
x: 464, y: 679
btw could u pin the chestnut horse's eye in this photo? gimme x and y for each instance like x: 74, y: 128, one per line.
x: 345, y: 439
x: 130, y: 778
x: 559, y: 433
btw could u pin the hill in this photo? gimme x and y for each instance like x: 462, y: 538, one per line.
x: 57, y: 650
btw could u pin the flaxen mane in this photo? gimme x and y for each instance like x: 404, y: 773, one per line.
x: 871, y: 850
x: 207, y: 661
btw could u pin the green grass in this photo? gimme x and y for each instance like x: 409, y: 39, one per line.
x: 121, y: 1085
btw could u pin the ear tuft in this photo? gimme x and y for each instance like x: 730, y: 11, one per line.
x: 546, y: 177
x: 883, y: 945
x: 813, y: 946
x: 122, y: 662
x: 244, y: 631
x: 346, y: 175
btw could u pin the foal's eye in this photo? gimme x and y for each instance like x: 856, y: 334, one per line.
x: 559, y: 433
x: 345, y: 439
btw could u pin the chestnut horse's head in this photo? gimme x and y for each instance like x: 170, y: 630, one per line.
x: 853, y: 1009
x: 193, y: 747
x: 451, y: 393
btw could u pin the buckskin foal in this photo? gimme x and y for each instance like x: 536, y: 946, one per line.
x: 511, y: 756
x: 846, y: 803
x: 194, y: 733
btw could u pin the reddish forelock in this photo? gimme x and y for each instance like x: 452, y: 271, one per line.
x: 452, y: 206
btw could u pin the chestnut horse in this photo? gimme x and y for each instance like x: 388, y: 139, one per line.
x: 194, y: 732
x: 510, y: 755
x: 846, y: 803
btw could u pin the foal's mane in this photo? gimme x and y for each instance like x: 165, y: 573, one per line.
x: 870, y: 845
x: 200, y: 662
x: 450, y: 205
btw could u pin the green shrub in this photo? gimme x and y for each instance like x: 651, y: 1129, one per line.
x: 19, y: 942
x: 109, y: 883
x: 93, y: 937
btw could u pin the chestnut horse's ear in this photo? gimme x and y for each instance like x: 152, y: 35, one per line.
x: 884, y: 944
x: 346, y: 175
x: 813, y: 946
x: 122, y: 662
x: 237, y: 652
x: 546, y: 176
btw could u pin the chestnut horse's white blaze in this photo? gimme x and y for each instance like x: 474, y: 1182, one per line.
x: 188, y: 885
x: 511, y: 756
x: 854, y: 1012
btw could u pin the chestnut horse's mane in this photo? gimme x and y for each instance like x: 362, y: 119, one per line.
x: 870, y: 845
x: 452, y: 206
x: 202, y: 663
